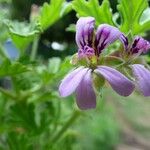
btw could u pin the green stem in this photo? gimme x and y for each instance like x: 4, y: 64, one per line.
x: 34, y: 48
x: 74, y: 116
x: 57, y: 116
x: 102, y: 103
x: 3, y: 51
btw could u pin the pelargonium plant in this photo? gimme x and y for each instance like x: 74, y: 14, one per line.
x: 92, y: 70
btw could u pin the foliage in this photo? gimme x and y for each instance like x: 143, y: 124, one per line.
x: 22, y: 33
x: 102, y: 13
x: 10, y: 69
x: 136, y: 23
x: 132, y: 22
x: 50, y: 13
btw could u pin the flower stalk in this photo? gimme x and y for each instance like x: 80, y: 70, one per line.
x: 34, y: 48
x: 71, y: 120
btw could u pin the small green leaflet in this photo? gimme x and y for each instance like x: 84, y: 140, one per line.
x: 71, y: 28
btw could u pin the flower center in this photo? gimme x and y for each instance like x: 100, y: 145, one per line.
x: 86, y: 51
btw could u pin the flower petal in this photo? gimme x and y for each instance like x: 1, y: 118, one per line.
x: 143, y: 78
x: 71, y: 81
x: 84, y: 31
x: 86, y: 98
x: 120, y: 83
x: 124, y: 40
x: 105, y: 35
x: 86, y: 52
x: 140, y: 45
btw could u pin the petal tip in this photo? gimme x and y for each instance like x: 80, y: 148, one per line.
x: 87, y: 107
x: 128, y: 91
x: 61, y: 92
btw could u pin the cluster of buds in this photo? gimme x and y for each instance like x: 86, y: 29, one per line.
x: 93, y: 70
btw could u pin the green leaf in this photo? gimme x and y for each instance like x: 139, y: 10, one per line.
x: 22, y: 116
x: 66, y: 8
x: 131, y: 13
x: 23, y: 33
x: 10, y: 69
x: 50, y: 13
x: 102, y: 13
x: 145, y: 16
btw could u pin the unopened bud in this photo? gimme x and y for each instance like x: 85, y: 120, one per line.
x: 34, y: 12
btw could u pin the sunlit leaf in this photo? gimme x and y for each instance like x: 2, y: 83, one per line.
x: 131, y: 13
x: 53, y: 11
x: 67, y: 7
x: 145, y: 16
x: 102, y: 13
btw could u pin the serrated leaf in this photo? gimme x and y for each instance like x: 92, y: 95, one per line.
x: 22, y: 115
x: 145, y: 16
x: 131, y: 13
x: 50, y: 13
x: 8, y: 68
x: 67, y: 7
x: 102, y: 13
x: 22, y: 33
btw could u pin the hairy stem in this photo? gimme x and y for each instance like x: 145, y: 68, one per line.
x: 34, y: 48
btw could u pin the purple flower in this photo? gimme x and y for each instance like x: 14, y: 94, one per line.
x: 139, y: 46
x: 141, y: 74
x: 90, y: 46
